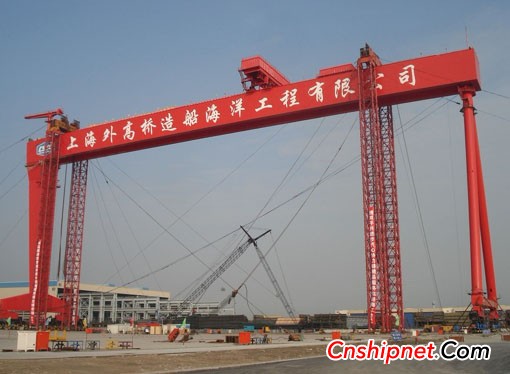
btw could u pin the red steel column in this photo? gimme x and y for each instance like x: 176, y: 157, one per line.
x: 467, y: 94
x: 371, y: 213
x: 42, y: 225
x: 74, y: 243
x: 490, y: 275
x: 395, y: 312
x: 380, y: 208
x: 34, y: 207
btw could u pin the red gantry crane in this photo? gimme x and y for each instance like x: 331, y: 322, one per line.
x: 270, y: 99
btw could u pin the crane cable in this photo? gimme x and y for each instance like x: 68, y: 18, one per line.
x: 181, y: 216
x: 22, y: 139
x: 302, y: 204
x: 184, y: 257
x: 287, y: 289
x: 344, y: 167
x: 419, y: 214
x: 247, y: 303
x: 110, y: 221
x: 190, y: 252
x: 319, y: 144
x: 13, y: 186
x: 148, y: 215
x: 497, y: 94
x: 200, y: 278
x: 130, y: 228
x: 102, y: 222
x: 280, y: 185
x: 454, y: 198
x: 103, y: 226
x: 287, y: 177
x: 405, y: 126
x: 10, y: 172
x: 312, y: 189
x: 278, y: 188
x: 13, y: 227
x: 62, y: 226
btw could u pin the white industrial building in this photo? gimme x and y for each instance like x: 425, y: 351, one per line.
x: 102, y: 304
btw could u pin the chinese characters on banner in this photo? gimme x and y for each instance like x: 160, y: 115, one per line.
x: 221, y: 111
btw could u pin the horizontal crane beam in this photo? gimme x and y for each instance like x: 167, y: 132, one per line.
x: 333, y: 91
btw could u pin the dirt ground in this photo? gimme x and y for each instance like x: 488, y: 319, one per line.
x: 161, y: 363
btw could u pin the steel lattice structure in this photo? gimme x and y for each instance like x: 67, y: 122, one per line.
x: 395, y: 308
x: 74, y: 242
x: 371, y: 164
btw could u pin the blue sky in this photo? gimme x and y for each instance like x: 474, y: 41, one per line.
x: 101, y: 60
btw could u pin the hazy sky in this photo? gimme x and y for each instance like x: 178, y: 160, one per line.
x: 101, y: 60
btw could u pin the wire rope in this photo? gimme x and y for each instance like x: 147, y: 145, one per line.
x: 287, y: 290
x: 190, y: 252
x: 13, y: 227
x: 103, y: 227
x: 10, y: 172
x: 62, y: 226
x: 113, y: 227
x: 13, y: 186
x: 306, y: 146
x: 21, y: 140
x: 419, y: 212
x: 497, y: 94
x: 454, y: 198
x: 275, y: 191
x: 317, y: 147
x: 180, y: 217
x: 296, y: 213
x: 327, y: 176
x: 130, y: 228
x: 180, y: 242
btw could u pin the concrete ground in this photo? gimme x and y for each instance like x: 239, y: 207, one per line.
x: 154, y: 354
x: 150, y: 344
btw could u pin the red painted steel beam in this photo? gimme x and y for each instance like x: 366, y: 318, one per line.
x: 480, y: 241
x: 40, y: 251
x: 467, y: 94
x: 488, y: 261
x: 398, y: 82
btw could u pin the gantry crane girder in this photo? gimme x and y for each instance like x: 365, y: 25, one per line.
x: 329, y: 94
x: 269, y: 99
